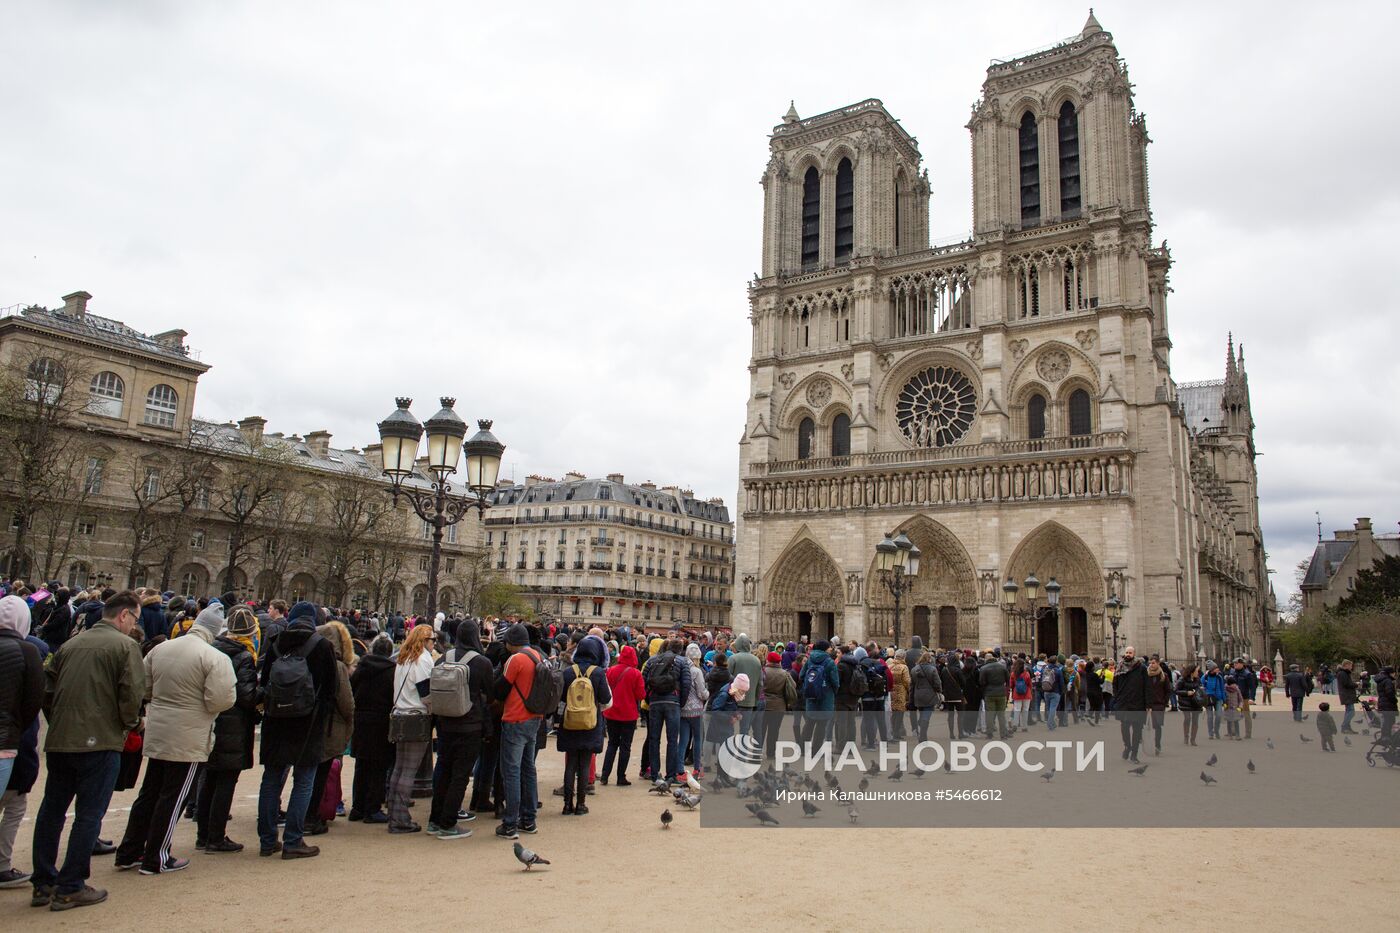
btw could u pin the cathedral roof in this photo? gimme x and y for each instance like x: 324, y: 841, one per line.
x: 1091, y: 25
x: 1201, y: 403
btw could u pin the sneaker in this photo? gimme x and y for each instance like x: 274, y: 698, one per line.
x: 378, y: 816
x: 455, y: 832
x: 399, y: 829
x: 590, y: 789
x: 125, y: 866
x: 568, y: 810
x: 355, y: 816
x: 300, y: 851
x: 42, y: 896
x: 84, y: 897
x: 171, y: 864
x: 559, y: 791
x: 623, y: 782
x: 506, y: 832
x: 433, y: 828
x: 603, y: 780
x: 223, y: 845
x: 580, y: 810
x: 265, y: 851
x: 465, y: 816
x: 14, y: 878
x: 530, y: 828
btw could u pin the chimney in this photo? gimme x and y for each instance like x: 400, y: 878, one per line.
x: 75, y: 305
x: 174, y: 339
x: 320, y: 443
x: 533, y: 480
x: 574, y: 476
x: 716, y: 501
x: 615, y: 478
x: 374, y: 458
x: 1363, y: 525
x: 648, y: 485
x: 252, y: 430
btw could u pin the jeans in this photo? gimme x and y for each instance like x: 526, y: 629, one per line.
x: 457, y: 754
x: 270, y: 800
x: 84, y: 779
x: 1159, y: 719
x: 921, y: 720
x: 12, y: 804
x: 151, y: 825
x: 1346, y: 716
x: 872, y: 724
x: 692, y: 733
x: 7, y: 765
x: 1190, y: 725
x: 212, y: 807
x: 1018, y: 713
x: 1297, y: 708
x: 620, y: 733
x: 518, y: 771
x: 1212, y: 720
x: 670, y: 715
x: 1130, y: 725
x: 1052, y: 703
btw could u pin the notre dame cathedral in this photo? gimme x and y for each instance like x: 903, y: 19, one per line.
x: 1007, y: 402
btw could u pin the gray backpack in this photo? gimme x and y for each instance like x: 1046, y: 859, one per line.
x: 449, y: 686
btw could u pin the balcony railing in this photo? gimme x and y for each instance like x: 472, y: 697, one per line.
x: 987, y: 450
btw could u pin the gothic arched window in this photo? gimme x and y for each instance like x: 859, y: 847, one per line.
x: 805, y: 430
x: 841, y: 436
x: 845, y: 210
x: 1035, y: 417
x: 1080, y: 420
x: 1030, y: 171
x: 1069, y: 161
x: 811, y: 217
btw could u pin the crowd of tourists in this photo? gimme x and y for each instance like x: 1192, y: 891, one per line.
x: 196, y: 691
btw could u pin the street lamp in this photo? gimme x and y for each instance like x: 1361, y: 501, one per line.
x: 1166, y: 619
x: 1196, y: 637
x: 1031, y: 613
x: 399, y: 435
x: 1113, y: 606
x: 897, y: 564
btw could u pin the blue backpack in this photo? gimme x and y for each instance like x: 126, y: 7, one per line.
x: 814, y: 682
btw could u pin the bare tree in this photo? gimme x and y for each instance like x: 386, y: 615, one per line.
x: 390, y: 555
x: 352, y: 507
x: 1373, y: 632
x: 286, y: 531
x: 150, y: 490
x: 188, y: 483
x: 40, y: 398
x: 243, y: 496
x: 475, y: 576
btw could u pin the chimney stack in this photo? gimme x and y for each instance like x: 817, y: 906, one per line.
x: 374, y: 458
x: 75, y: 305
x: 574, y: 476
x: 615, y: 478
x: 174, y: 339
x: 252, y: 430
x: 320, y: 443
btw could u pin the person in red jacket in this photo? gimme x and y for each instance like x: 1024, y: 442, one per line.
x: 628, y: 691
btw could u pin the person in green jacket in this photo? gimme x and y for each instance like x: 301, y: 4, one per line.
x: 95, y: 685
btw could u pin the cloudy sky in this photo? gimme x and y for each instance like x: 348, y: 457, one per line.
x: 551, y: 211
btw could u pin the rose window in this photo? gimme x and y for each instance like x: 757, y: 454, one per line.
x: 936, y: 407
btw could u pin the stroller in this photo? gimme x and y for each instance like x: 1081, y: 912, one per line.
x: 1386, y: 748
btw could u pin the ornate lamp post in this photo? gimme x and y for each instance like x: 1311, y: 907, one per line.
x: 1031, y: 612
x: 1166, y: 619
x: 400, y: 433
x: 1196, y: 637
x: 897, y: 563
x: 1113, y: 607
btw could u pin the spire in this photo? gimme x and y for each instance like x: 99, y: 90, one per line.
x: 1230, y: 359
x: 1241, y: 362
x: 791, y: 115
x: 1091, y: 26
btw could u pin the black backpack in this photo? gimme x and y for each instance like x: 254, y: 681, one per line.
x: 543, y: 698
x: 291, y: 691
x: 856, y: 684
x: 875, y: 684
x: 661, y: 674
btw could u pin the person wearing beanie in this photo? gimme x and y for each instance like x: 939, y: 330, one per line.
x: 192, y: 682
x: 233, y: 737
x: 242, y: 626
x: 780, y: 696
x: 519, y: 733
x: 293, y: 744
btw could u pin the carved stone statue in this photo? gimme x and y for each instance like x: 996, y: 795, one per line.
x: 750, y: 585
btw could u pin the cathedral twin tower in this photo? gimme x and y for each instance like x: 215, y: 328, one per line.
x: 1006, y: 402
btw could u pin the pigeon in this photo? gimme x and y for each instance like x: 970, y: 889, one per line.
x: 809, y: 809
x: 1210, y: 762
x: 1304, y: 737
x: 1346, y: 741
x: 660, y: 788
x: 1138, y: 771
x: 897, y: 774
x: 764, y: 818
x: 527, y: 858
x: 1048, y: 775
x: 666, y: 819
x: 853, y: 813
x: 716, y: 785
x: 874, y: 768
x: 864, y: 784
x: 1365, y: 731
x: 689, y: 801
x: 1250, y: 765
x: 1269, y: 744
x: 1207, y: 779
x: 753, y: 808
x: 692, y: 783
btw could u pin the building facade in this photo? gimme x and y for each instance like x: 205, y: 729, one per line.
x: 1331, y: 573
x: 612, y: 552
x: 1007, y: 402
x: 108, y: 477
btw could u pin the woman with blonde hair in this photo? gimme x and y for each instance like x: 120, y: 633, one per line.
x: 410, y: 722
x: 341, y: 724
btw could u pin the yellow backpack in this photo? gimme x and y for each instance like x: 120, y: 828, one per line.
x: 580, y: 710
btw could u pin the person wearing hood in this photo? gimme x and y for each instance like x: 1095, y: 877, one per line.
x: 1130, y: 701
x: 21, y: 682
x: 152, y: 620
x: 460, y: 737
x: 667, y: 677
x: 340, y: 725
x: 292, y: 743
x: 789, y: 655
x: 1214, y: 684
x: 59, y: 625
x: 628, y: 690
x: 233, y: 740
x: 581, y: 730
x: 15, y: 800
x: 900, y: 684
x: 744, y: 661
x: 693, y: 713
x: 780, y: 696
x: 191, y: 683
x: 372, y: 685
x: 1386, y: 700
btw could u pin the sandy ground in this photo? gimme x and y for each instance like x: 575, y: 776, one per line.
x: 917, y: 878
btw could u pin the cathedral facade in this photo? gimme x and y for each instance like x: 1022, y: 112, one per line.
x: 1006, y: 402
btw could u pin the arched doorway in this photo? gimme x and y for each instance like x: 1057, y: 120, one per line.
x: 1053, y: 551
x: 303, y: 586
x: 945, y: 589
x: 804, y: 594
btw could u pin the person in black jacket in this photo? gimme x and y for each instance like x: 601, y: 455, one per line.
x: 21, y: 682
x: 459, y: 737
x: 1347, y: 694
x: 1385, y: 700
x: 1130, y: 701
x: 233, y: 744
x: 15, y: 800
x: 972, y: 695
x: 373, y: 685
x: 950, y: 678
x: 294, y: 743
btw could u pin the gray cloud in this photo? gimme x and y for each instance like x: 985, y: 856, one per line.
x: 551, y: 212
